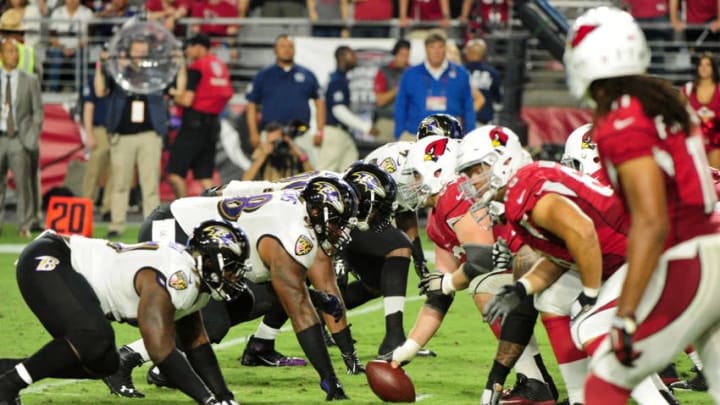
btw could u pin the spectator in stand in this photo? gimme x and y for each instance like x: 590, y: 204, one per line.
x: 279, y: 157
x: 703, y: 94
x: 424, y: 11
x: 483, y: 17
x: 322, y: 11
x: 21, y: 118
x: 282, y: 91
x: 652, y: 12
x: 338, y: 149
x: 372, y: 11
x: 97, y: 145
x: 386, y: 84
x: 699, y: 12
x: 483, y: 78
x: 29, y: 20
x: 284, y: 8
x: 208, y: 91
x: 434, y: 86
x: 66, y: 40
x: 210, y: 10
x: 136, y: 124
x: 167, y: 11
x: 113, y: 9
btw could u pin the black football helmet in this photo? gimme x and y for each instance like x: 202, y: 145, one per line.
x: 222, y: 253
x: 377, y: 194
x: 440, y: 124
x: 332, y: 206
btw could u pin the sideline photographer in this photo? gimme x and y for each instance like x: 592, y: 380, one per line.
x: 279, y: 156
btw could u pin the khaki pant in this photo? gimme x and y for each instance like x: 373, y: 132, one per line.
x: 338, y: 150
x: 386, y: 127
x: 97, y: 164
x: 143, y: 149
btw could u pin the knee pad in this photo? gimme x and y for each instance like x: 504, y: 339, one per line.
x: 440, y: 303
x: 520, y: 323
x: 93, y: 345
x: 489, y: 283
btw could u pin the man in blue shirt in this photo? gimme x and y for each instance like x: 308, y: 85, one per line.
x: 282, y: 91
x: 483, y: 78
x: 434, y: 86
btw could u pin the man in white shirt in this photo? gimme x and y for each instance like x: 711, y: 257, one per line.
x: 67, y: 36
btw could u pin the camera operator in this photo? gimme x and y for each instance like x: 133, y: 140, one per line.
x: 279, y: 156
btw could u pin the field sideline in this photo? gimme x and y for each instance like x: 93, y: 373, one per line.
x: 464, y: 344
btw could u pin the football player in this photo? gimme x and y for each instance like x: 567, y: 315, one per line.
x: 440, y: 124
x: 75, y: 286
x: 655, y: 159
x: 577, y: 224
x: 287, y: 227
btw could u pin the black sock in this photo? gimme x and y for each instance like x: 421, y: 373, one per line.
x: 394, y: 276
x: 498, y: 374
x: 7, y: 364
x: 356, y: 294
x: 11, y: 383
x: 344, y: 340
x: 394, y: 326
x: 276, y: 316
x: 418, y: 254
x: 312, y: 342
x: 546, y: 375
x: 53, y: 360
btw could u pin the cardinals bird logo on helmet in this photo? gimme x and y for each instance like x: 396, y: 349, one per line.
x: 436, y: 149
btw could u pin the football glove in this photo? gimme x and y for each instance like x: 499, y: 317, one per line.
x: 502, y: 257
x: 435, y: 283
x: 421, y: 268
x: 353, y: 363
x: 505, y: 300
x: 582, y: 304
x: 621, y: 335
x: 328, y: 303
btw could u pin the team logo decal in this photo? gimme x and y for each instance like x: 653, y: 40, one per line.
x: 587, y: 141
x: 498, y: 137
x: 388, y: 165
x: 436, y: 149
x: 303, y: 245
x: 581, y: 33
x: 370, y: 182
x: 299, y: 77
x: 178, y: 281
x: 46, y: 263
x: 331, y: 195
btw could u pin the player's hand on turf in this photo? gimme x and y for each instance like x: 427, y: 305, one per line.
x: 328, y: 303
x: 621, y: 336
x: 432, y: 283
x: 502, y: 257
x: 505, y: 300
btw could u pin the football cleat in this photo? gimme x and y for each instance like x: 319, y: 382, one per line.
x: 491, y: 397
x: 528, y: 391
x: 261, y: 352
x: 334, y: 390
x: 669, y: 397
x: 697, y: 383
x: 353, y: 364
x: 156, y: 377
x: 426, y: 353
x: 121, y: 383
x: 669, y: 375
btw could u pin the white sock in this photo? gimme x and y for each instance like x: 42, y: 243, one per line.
x: 23, y: 373
x: 266, y: 332
x: 574, y: 374
x: 695, y: 357
x: 138, y: 347
x: 526, y: 363
x: 394, y: 304
x: 646, y: 393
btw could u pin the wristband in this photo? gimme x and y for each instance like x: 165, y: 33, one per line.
x: 319, y: 133
x: 303, y: 158
x: 591, y: 292
x: 98, y: 65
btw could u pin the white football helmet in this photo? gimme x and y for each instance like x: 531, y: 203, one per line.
x: 391, y: 157
x: 581, y: 151
x: 604, y: 42
x: 432, y: 162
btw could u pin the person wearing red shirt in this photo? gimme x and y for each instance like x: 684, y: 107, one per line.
x: 374, y: 11
x: 655, y: 158
x: 703, y: 95
x: 424, y: 11
x: 208, y: 90
x: 484, y: 16
x: 698, y: 12
x: 212, y: 9
x: 653, y: 12
x: 385, y: 86
x: 167, y: 11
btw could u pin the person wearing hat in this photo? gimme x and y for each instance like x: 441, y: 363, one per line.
x: 206, y: 93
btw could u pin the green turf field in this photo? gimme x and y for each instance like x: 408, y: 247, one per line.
x: 464, y: 344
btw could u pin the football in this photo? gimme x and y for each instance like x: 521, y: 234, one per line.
x: 389, y: 384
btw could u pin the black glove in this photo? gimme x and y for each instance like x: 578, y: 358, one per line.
x: 582, y: 305
x: 328, y: 303
x: 502, y: 257
x: 431, y: 283
x: 505, y: 300
x: 621, y: 335
x: 341, y: 272
x: 421, y: 268
x: 353, y: 363
x: 333, y: 389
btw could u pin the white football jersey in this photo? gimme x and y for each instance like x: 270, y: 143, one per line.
x: 110, y: 268
x: 237, y: 187
x: 279, y: 215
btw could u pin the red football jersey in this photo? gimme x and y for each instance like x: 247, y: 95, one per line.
x: 595, y: 199
x: 505, y: 231
x: 627, y: 133
x: 451, y: 206
x: 708, y: 114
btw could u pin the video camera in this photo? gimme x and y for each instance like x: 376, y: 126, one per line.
x: 281, y: 148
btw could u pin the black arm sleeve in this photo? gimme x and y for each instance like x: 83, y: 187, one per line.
x: 179, y: 372
x: 479, y: 260
x: 193, y: 78
x: 206, y: 366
